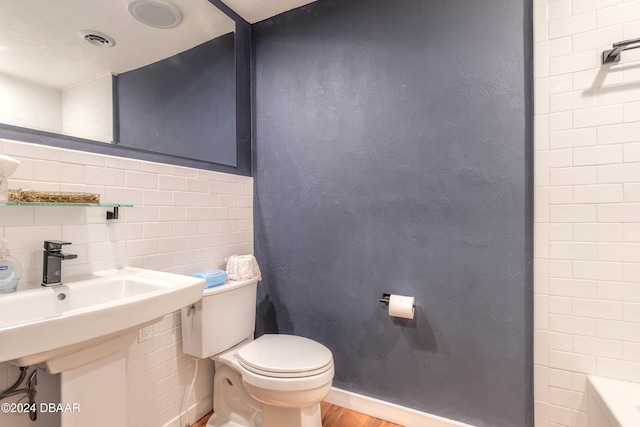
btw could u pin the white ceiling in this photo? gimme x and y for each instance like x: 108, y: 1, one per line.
x: 39, y: 39
x: 258, y: 10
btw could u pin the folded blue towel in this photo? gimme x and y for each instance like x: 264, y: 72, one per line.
x: 212, y: 278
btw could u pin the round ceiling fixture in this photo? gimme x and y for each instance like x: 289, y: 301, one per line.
x: 97, y: 38
x: 158, y: 14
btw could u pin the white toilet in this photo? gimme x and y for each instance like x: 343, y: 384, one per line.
x: 273, y: 381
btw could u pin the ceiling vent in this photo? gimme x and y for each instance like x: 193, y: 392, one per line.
x: 97, y: 38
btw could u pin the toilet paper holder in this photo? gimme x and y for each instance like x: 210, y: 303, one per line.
x: 385, y: 299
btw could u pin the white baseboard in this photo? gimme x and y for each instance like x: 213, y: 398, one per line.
x: 388, y: 411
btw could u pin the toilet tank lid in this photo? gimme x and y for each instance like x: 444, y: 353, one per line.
x: 285, y: 353
x: 228, y: 287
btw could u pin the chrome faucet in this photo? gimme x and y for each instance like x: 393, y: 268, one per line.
x: 52, y: 262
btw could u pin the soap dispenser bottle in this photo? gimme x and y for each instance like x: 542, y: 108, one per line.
x: 9, y: 270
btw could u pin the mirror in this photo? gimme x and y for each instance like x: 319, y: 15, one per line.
x: 81, y: 69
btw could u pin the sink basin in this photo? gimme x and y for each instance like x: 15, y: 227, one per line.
x: 84, y: 320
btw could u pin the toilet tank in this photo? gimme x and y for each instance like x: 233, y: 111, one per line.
x: 224, y: 317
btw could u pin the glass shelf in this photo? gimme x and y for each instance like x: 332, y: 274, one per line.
x: 89, y: 205
x: 113, y: 214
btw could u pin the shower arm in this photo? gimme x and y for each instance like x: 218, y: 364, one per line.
x: 613, y: 55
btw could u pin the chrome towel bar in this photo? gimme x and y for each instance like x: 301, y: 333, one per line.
x: 613, y: 55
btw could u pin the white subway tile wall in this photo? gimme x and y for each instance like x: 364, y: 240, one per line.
x: 87, y: 110
x: 30, y: 105
x: 587, y: 203
x: 184, y: 221
x: 84, y: 110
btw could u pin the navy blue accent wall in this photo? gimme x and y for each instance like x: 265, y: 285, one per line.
x: 184, y: 105
x: 392, y: 143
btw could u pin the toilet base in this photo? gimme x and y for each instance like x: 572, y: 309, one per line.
x: 274, y: 416
x: 232, y: 405
x: 277, y: 416
x: 216, y: 421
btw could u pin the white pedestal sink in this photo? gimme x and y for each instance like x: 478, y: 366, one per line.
x: 82, y: 328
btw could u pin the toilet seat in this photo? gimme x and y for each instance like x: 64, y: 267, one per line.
x: 285, y: 356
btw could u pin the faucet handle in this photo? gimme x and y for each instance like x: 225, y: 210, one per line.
x: 54, y: 245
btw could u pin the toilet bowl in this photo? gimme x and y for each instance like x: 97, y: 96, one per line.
x: 273, y: 381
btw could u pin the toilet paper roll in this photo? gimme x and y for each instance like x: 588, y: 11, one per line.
x: 402, y: 306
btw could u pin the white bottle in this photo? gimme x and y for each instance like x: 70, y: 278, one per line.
x: 9, y: 270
